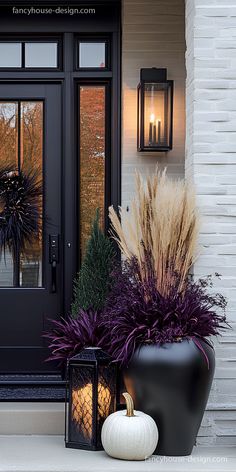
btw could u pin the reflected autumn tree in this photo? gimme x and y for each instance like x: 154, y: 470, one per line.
x: 8, y: 133
x: 92, y: 158
x: 32, y: 136
x: 32, y: 159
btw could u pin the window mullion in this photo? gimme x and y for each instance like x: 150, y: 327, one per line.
x: 23, y: 55
x: 19, y: 136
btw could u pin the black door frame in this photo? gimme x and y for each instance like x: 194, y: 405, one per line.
x: 107, y: 22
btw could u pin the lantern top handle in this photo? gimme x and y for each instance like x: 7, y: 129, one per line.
x: 153, y: 74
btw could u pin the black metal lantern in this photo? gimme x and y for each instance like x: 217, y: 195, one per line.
x: 155, y: 110
x: 90, y: 397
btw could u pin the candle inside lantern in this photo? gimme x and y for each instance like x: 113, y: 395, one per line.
x: 154, y: 133
x: 158, y: 127
x: 82, y: 407
x: 151, y: 128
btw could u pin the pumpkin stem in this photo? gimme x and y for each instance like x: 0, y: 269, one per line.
x: 129, y: 404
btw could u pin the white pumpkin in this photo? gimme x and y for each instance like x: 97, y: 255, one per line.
x: 129, y: 434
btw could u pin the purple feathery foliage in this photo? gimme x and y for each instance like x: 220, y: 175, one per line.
x: 136, y: 313
x: 68, y: 336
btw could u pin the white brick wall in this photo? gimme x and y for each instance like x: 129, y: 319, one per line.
x: 211, y: 163
x: 153, y: 36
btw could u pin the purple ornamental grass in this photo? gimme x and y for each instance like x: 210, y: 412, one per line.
x: 138, y: 314
x: 69, y: 336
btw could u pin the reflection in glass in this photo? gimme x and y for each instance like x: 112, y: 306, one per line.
x: 41, y: 54
x: 92, y: 158
x: 32, y: 135
x: 10, y: 54
x: 32, y: 159
x: 8, y: 155
x: 6, y: 270
x: 92, y: 54
x: 8, y: 133
x: 21, y: 145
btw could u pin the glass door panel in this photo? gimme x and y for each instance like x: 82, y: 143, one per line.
x: 21, y: 153
x: 32, y: 161
x: 8, y: 133
x: 8, y: 157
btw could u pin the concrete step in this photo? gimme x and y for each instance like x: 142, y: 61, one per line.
x: 48, y: 454
x: 31, y: 418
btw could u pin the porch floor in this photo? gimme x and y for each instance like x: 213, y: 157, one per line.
x: 47, y: 454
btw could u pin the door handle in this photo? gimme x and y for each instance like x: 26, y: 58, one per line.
x: 54, y: 277
x: 53, y: 259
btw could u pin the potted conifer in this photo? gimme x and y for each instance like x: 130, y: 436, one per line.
x: 83, y: 327
x: 93, y: 281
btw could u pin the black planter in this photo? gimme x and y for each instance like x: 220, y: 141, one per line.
x: 171, y: 383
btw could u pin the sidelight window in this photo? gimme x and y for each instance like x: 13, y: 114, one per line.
x: 92, y: 100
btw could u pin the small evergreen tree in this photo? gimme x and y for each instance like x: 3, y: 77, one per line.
x: 92, y: 282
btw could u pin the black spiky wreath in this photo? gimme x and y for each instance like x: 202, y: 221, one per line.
x: 20, y: 209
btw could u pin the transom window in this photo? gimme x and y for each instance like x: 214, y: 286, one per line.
x: 29, y: 54
x: 92, y: 53
x: 10, y: 55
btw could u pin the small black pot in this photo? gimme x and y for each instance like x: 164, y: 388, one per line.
x: 171, y: 383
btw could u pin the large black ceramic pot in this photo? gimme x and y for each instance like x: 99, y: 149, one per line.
x: 172, y: 384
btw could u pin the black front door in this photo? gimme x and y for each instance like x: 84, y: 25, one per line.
x: 31, y: 281
x: 59, y: 116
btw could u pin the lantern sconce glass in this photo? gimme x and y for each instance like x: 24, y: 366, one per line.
x: 90, y: 397
x: 155, y: 110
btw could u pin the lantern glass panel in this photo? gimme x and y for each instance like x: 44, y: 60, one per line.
x: 81, y: 424
x: 157, y: 106
x: 90, y: 399
x: 106, y: 394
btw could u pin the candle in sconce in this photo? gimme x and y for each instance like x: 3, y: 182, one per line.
x: 151, y: 128
x: 154, y: 133
x: 158, y: 128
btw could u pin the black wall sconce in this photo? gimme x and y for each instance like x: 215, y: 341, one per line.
x: 155, y: 110
x: 90, y: 397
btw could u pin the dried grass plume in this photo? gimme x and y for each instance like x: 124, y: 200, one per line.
x: 163, y: 222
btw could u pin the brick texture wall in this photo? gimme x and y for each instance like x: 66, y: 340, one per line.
x: 211, y: 163
x: 154, y: 33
